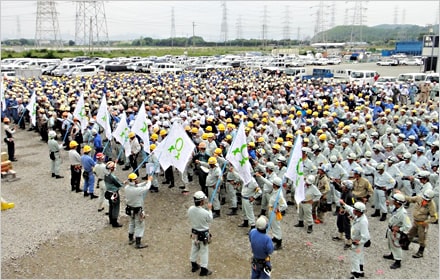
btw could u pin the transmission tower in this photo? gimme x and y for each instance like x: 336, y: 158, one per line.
x: 358, y: 20
x: 173, y: 27
x: 264, y: 26
x: 239, y: 28
x: 321, y: 20
x: 224, y: 26
x: 286, y: 28
x: 333, y: 15
x: 396, y: 15
x: 90, y: 24
x: 18, y: 28
x: 47, y: 31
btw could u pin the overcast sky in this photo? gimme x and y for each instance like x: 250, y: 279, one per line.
x: 133, y: 19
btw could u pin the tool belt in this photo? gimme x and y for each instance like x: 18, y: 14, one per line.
x: 262, y: 264
x: 307, y: 202
x: 132, y: 211
x: 202, y: 236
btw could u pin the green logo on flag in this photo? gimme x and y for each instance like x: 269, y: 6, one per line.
x: 82, y: 113
x: 240, y: 151
x: 299, y: 173
x: 178, y: 146
x: 144, y: 128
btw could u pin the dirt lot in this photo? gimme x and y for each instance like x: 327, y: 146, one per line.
x: 54, y: 233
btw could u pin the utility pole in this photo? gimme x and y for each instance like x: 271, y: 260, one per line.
x: 194, y: 36
x: 47, y: 30
x: 264, y: 27
x: 18, y: 28
x: 239, y: 28
x: 224, y: 26
x: 286, y: 28
x: 173, y: 27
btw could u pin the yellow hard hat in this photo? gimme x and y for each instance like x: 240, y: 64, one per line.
x: 131, y: 134
x: 163, y: 132
x: 187, y: 128
x: 279, y: 140
x: 228, y: 137
x: 322, y: 137
x: 288, y: 144
x: 205, y: 136
x: 260, y: 139
x: 209, y: 128
x: 132, y: 176
x: 152, y: 147
x: 154, y: 136
x: 194, y: 130
x: 250, y: 124
x: 308, y: 129
x: 221, y: 127
x: 251, y: 144
x: 73, y: 144
x: 87, y: 148
x: 276, y: 147
x: 212, y: 160
x: 211, y: 135
x: 309, y: 112
x: 289, y: 135
x: 218, y: 151
x: 298, y: 113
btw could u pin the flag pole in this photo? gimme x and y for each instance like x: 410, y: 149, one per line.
x: 272, y: 213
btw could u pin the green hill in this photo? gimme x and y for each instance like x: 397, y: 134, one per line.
x: 384, y: 33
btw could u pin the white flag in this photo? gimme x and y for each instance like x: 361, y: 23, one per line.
x: 140, y: 127
x: 176, y: 149
x: 238, y: 155
x: 80, y: 113
x: 121, y: 134
x: 295, y: 171
x: 32, y: 108
x: 103, y: 118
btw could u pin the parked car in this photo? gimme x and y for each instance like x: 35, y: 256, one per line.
x: 417, y: 78
x: 412, y: 62
x: 383, y: 80
x: 432, y: 77
x: 387, y: 62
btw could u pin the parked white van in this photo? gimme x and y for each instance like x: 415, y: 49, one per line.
x: 417, y: 78
x: 342, y: 74
x: 159, y: 68
x: 360, y: 77
x: 432, y: 77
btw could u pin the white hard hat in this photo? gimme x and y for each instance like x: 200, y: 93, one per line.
x: 398, y: 197
x: 199, y: 195
x: 423, y: 174
x: 428, y: 194
x: 359, y: 206
x: 261, y: 223
x: 310, y: 179
x: 380, y: 166
x: 270, y: 165
x: 52, y: 134
x: 407, y: 155
x: 348, y: 184
x: 333, y: 159
x: 277, y: 181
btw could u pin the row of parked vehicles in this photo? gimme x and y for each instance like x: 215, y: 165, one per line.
x: 406, y: 61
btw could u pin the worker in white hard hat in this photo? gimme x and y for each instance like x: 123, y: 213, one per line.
x: 383, y: 184
x: 277, y: 196
x: 360, y: 235
x: 312, y: 194
x: 397, y: 230
x: 424, y: 213
x: 200, y: 218
x: 54, y: 154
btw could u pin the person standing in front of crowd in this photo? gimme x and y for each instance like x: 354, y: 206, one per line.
x: 312, y: 194
x: 135, y: 193
x: 281, y: 207
x: 75, y: 167
x: 362, y: 189
x: 9, y: 139
x: 113, y: 184
x: 54, y: 150
x: 424, y: 213
x: 360, y: 236
x: 262, y: 247
x: 343, y: 219
x: 323, y: 184
x: 398, y: 227
x: 383, y: 185
x: 100, y: 171
x: 200, y: 219
x: 89, y: 178
x: 214, y: 175
x: 249, y: 192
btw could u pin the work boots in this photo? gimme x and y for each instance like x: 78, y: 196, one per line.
x: 347, y: 244
x: 396, y: 264
x: 278, y: 243
x: 389, y: 257
x: 383, y: 217
x: 262, y: 212
x: 216, y: 214
x: 361, y: 274
x: 233, y: 211
x: 419, y: 253
x: 309, y: 229
x: 115, y: 223
x: 376, y: 213
x: 205, y: 272
x: 299, y: 224
x: 338, y: 237
x: 195, y: 266
x: 139, y: 245
x: 130, y: 239
x: 244, y: 224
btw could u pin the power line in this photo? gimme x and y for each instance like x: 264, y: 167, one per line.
x: 173, y: 27
x: 224, y: 26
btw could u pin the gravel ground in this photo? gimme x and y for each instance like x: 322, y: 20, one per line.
x: 54, y: 233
